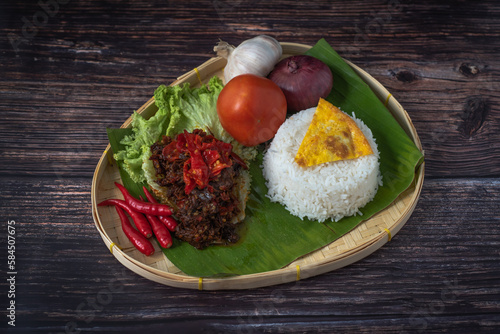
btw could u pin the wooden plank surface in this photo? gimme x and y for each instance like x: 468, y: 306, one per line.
x: 91, y: 63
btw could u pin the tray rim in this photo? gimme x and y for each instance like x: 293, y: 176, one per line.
x: 288, y: 273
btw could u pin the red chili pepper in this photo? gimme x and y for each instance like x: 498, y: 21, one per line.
x: 161, y: 232
x: 168, y: 221
x: 140, y: 221
x: 138, y: 240
x: 154, y: 209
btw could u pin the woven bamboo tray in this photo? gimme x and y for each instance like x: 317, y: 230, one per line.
x: 363, y: 240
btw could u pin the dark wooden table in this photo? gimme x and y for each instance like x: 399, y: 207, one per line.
x: 69, y: 69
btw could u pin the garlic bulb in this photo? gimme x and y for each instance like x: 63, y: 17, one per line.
x: 257, y: 56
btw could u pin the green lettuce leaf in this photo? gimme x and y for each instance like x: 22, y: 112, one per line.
x: 191, y: 108
x: 137, y: 144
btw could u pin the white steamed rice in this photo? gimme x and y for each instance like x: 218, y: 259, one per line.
x: 331, y: 190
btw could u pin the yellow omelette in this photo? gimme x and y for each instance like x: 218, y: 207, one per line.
x: 331, y: 136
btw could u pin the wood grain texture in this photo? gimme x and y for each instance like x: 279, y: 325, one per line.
x: 91, y: 63
x: 437, y: 269
x: 86, y: 62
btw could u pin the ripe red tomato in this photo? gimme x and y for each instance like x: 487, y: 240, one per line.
x: 251, y: 109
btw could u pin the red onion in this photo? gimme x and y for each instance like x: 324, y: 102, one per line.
x: 303, y: 80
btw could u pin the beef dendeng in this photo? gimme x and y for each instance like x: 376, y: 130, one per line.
x: 200, y: 177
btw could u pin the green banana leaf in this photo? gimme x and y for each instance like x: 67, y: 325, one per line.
x: 271, y: 237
